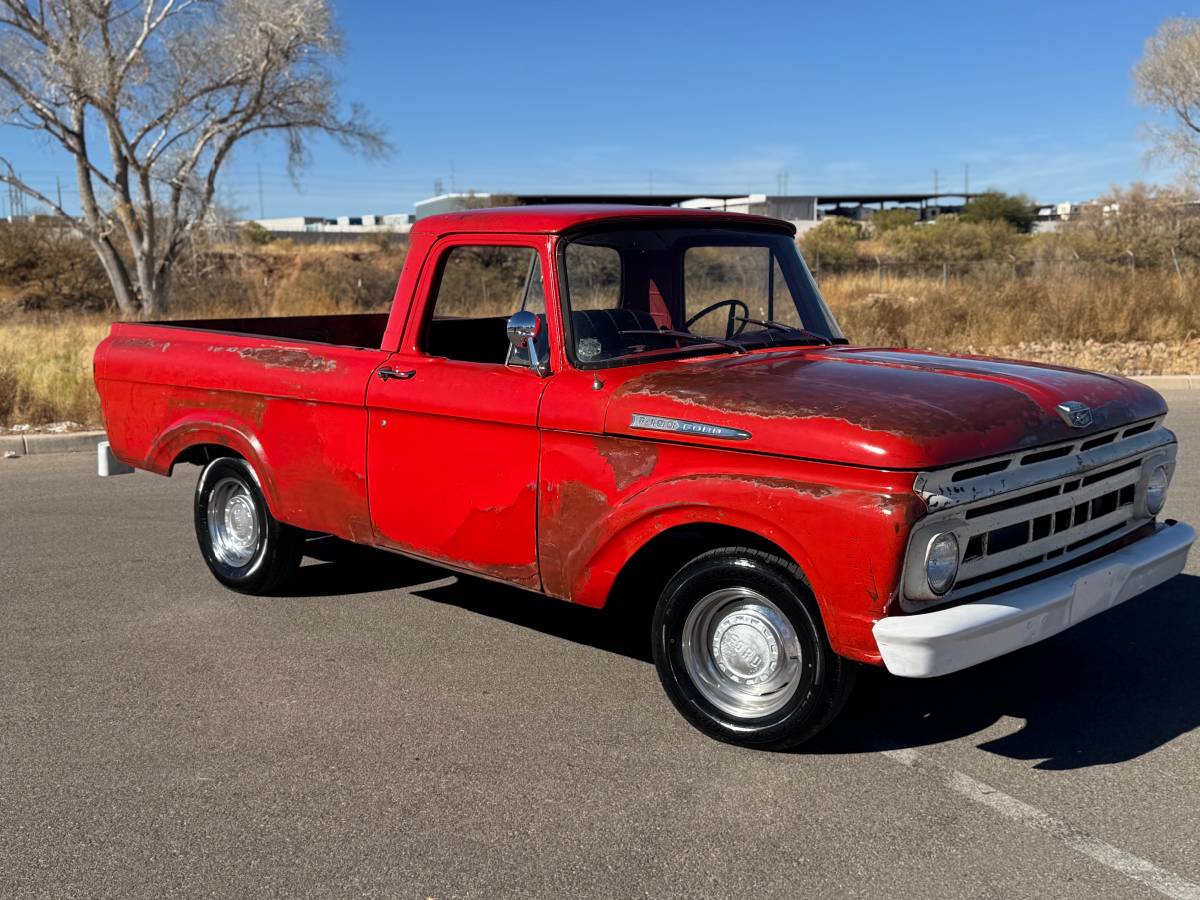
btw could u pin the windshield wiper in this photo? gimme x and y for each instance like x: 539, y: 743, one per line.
x: 685, y: 335
x: 780, y: 326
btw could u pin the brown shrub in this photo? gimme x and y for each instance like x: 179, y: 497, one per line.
x: 45, y: 267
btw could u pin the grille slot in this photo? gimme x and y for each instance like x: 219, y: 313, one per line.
x: 1030, y: 459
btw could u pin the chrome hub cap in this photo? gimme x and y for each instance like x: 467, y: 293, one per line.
x: 741, y: 653
x: 232, y: 523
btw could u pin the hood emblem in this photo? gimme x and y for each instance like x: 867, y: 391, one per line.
x: 1075, y: 414
x: 683, y: 426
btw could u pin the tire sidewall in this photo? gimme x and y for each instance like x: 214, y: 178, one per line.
x: 241, y: 577
x: 697, y: 580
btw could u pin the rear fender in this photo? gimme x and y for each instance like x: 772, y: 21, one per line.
x: 221, y: 431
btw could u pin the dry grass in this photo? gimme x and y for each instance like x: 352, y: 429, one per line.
x: 46, y: 356
x: 920, y: 312
x: 1148, y: 323
x: 46, y: 370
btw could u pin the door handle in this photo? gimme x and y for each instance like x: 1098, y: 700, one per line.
x: 386, y: 373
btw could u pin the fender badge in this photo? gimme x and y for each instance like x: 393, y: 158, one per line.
x: 1075, y: 414
x: 683, y: 426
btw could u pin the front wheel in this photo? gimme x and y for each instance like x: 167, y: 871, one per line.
x: 742, y: 653
x: 245, y: 547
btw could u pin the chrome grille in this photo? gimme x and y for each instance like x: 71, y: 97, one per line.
x: 1035, y: 509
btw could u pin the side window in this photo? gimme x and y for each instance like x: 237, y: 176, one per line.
x: 534, y: 298
x: 478, y: 289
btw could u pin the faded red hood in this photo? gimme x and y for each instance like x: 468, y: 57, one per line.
x: 902, y: 409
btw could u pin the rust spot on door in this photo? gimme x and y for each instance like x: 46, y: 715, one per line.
x: 629, y: 460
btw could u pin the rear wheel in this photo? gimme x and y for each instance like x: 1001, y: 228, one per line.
x: 742, y: 653
x: 245, y: 547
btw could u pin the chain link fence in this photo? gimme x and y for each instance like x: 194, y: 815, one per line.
x: 884, y: 270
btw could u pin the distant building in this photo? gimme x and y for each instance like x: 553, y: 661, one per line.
x: 448, y: 203
x: 399, y: 223
x: 291, y: 223
x: 805, y: 211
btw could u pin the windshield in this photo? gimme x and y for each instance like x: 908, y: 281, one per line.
x: 639, y: 293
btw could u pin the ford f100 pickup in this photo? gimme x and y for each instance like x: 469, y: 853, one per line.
x: 655, y: 406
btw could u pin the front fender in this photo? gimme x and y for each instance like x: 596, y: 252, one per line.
x: 845, y: 527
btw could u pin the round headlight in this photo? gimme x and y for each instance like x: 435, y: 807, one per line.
x: 1156, y: 490
x: 941, y: 562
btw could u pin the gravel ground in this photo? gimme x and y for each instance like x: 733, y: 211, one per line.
x: 1129, y: 358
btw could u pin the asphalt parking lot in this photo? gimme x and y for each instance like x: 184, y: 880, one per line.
x: 393, y: 730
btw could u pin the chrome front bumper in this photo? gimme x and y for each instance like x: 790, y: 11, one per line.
x: 946, y: 640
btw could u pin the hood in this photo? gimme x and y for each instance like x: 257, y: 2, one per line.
x: 896, y: 409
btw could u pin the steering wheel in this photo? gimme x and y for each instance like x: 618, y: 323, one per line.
x: 733, y: 327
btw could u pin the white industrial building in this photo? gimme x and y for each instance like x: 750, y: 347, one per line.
x: 396, y: 223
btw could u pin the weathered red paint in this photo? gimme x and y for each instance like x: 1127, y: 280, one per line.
x: 542, y: 482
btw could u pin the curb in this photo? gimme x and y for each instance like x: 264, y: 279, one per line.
x: 1169, y: 382
x: 35, y: 444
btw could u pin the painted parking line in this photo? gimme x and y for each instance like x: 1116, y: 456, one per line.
x: 1133, y: 867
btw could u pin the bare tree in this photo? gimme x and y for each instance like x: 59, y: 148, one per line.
x: 1168, y: 79
x: 168, y: 88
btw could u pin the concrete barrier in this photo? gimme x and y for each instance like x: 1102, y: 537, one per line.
x: 34, y: 444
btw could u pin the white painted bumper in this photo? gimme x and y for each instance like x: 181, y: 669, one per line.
x: 947, y: 640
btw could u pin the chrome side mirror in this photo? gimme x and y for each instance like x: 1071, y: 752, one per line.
x: 524, y: 329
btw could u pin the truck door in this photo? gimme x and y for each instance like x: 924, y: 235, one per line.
x: 453, y: 443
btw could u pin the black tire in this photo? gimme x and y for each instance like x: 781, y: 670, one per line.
x: 271, y: 555
x: 812, y: 694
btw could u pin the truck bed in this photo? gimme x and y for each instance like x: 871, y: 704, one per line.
x: 288, y: 394
x: 347, y: 330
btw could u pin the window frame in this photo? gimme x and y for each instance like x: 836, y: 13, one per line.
x: 425, y: 296
x: 687, y: 352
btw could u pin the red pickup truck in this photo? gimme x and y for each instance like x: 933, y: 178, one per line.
x: 656, y: 405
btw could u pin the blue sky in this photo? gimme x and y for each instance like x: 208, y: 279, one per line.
x: 717, y: 97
